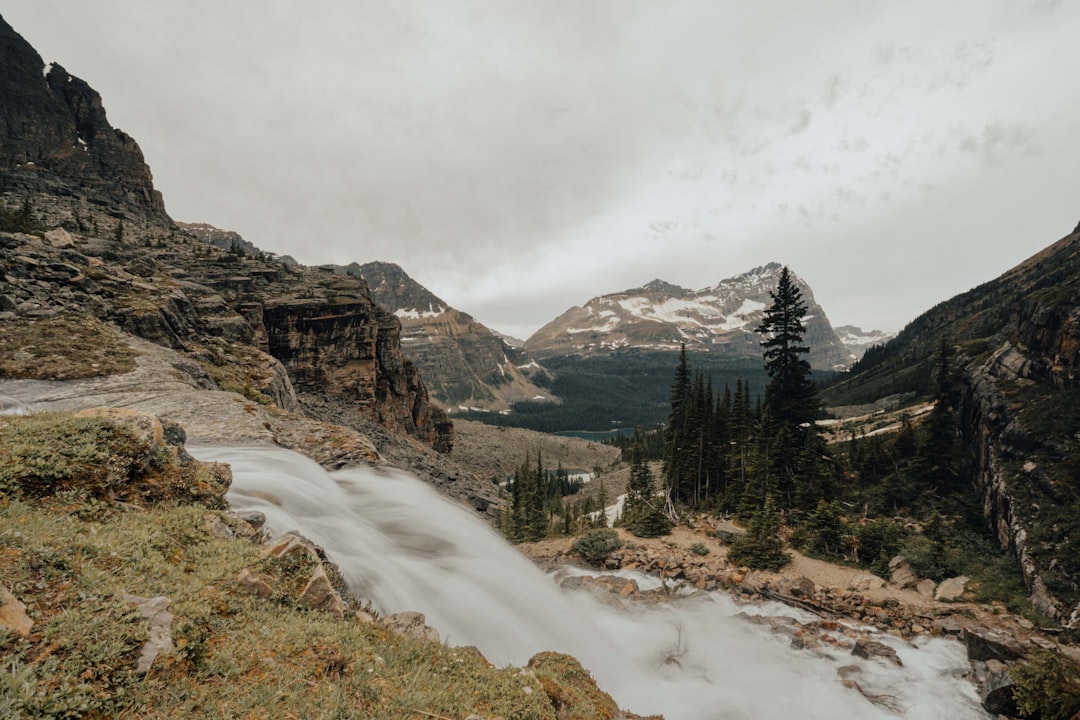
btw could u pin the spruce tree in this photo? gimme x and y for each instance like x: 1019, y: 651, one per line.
x: 761, y: 547
x: 791, y: 404
x: 790, y: 395
x: 643, y: 513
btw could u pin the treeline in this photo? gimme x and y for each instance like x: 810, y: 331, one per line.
x: 542, y: 503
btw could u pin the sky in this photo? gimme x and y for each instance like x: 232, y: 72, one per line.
x: 518, y: 158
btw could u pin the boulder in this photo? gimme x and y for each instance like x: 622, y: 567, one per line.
x: 901, y: 574
x: 952, y: 589
x: 13, y: 614
x: 60, y: 238
x: 319, y: 593
x: 996, y: 694
x: 926, y: 587
x: 983, y: 644
x: 872, y: 649
x: 155, y: 611
x: 252, y: 583
x: 411, y: 624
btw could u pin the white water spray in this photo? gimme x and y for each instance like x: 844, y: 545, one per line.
x: 404, y: 547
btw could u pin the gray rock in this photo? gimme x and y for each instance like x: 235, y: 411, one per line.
x: 155, y: 612
x: 411, y: 624
x: 319, y: 593
x: 901, y: 573
x: 983, y: 644
x: 872, y: 649
x: 952, y: 589
x: 996, y: 694
x: 926, y: 587
x: 253, y: 584
x: 13, y: 614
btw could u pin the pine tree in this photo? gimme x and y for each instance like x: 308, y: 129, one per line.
x: 761, y: 547
x: 643, y: 513
x: 790, y: 395
x: 676, y: 442
x: 791, y: 404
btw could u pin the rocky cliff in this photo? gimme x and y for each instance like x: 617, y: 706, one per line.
x: 56, y: 141
x: 466, y: 365
x: 1021, y: 422
x: 1018, y: 338
x: 101, y: 246
x: 661, y: 316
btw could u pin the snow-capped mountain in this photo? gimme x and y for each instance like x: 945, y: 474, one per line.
x: 464, y: 363
x: 857, y: 340
x: 662, y: 316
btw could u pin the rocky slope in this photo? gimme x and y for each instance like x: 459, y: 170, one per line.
x: 118, y: 257
x: 466, y: 365
x: 1018, y: 338
x: 661, y: 316
x: 56, y: 142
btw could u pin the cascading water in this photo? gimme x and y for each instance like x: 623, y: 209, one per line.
x: 404, y: 547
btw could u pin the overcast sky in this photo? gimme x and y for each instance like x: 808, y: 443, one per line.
x: 518, y: 158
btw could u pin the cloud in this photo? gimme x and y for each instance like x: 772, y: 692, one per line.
x: 1000, y: 143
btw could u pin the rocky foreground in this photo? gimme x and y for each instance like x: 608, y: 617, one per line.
x: 852, y: 606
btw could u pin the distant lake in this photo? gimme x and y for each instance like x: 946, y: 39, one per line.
x: 596, y: 435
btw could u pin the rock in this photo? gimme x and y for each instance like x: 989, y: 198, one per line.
x: 253, y: 584
x: 60, y: 238
x: 803, y: 587
x: 948, y: 626
x: 952, y: 589
x: 364, y: 617
x: 901, y: 574
x: 216, y: 527
x: 996, y: 694
x: 254, y: 518
x: 13, y: 614
x: 864, y: 581
x: 926, y: 587
x: 411, y: 624
x: 872, y: 649
x: 983, y: 644
x: 319, y: 593
x: 155, y: 612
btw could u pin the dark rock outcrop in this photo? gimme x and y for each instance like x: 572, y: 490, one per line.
x: 465, y: 364
x: 55, y: 138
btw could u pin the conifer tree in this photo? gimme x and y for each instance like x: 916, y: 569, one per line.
x: 643, y: 513
x: 791, y: 404
x: 761, y: 547
x: 790, y: 395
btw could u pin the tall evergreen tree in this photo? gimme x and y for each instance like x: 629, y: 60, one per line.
x: 790, y: 396
x: 643, y: 512
x: 791, y: 404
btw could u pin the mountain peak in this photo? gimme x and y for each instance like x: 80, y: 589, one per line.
x: 663, y: 316
x: 56, y: 139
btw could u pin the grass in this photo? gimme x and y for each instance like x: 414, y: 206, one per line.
x: 62, y: 347
x: 70, y: 555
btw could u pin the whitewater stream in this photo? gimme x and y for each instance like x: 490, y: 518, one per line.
x: 405, y: 547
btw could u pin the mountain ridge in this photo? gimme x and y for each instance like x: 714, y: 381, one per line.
x: 663, y: 316
x: 466, y: 364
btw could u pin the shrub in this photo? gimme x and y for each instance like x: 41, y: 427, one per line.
x: 699, y: 549
x: 878, y: 539
x: 1047, y: 686
x: 761, y: 547
x: 595, y: 545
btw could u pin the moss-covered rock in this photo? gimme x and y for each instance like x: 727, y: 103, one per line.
x: 105, y: 454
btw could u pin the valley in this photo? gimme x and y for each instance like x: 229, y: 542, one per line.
x: 233, y: 484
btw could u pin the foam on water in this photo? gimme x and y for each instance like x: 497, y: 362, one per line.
x: 405, y: 547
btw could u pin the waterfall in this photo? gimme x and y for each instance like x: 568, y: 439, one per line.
x: 404, y: 547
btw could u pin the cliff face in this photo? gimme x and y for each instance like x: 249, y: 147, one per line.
x: 351, y: 352
x: 464, y: 363
x: 55, y: 138
x: 1020, y: 421
x: 115, y: 254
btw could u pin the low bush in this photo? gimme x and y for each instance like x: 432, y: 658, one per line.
x: 596, y: 544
